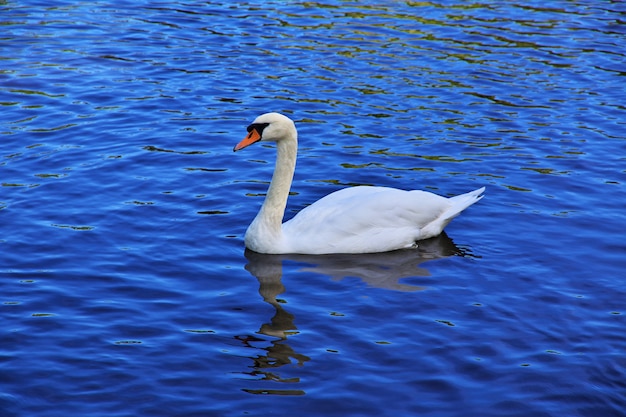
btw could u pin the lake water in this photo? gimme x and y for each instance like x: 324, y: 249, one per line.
x: 125, y: 286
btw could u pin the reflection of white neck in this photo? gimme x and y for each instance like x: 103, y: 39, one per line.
x: 268, y: 223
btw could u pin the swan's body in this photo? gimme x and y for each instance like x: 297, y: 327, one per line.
x: 352, y: 220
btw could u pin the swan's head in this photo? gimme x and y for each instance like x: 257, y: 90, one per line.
x: 268, y: 127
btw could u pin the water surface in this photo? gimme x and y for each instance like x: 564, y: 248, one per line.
x: 126, y: 289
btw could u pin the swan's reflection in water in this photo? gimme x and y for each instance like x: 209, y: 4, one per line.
x: 381, y: 270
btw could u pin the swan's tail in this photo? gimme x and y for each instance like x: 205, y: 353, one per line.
x: 457, y: 205
x: 461, y: 202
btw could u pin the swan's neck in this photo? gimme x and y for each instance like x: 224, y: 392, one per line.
x: 273, y: 208
x: 268, y: 223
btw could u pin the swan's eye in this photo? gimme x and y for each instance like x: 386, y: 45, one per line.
x: 258, y: 127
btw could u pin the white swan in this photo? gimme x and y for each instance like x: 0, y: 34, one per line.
x: 352, y: 220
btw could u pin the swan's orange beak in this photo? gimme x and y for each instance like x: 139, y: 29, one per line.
x: 252, y: 137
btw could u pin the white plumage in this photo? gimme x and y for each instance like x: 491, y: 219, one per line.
x: 352, y: 220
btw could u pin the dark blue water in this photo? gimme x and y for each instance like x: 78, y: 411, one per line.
x: 124, y: 286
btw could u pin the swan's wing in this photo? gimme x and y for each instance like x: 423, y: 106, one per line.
x: 365, y: 219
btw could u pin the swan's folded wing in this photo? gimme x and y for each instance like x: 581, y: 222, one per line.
x: 364, y: 219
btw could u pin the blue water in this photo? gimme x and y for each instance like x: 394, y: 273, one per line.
x: 125, y: 287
